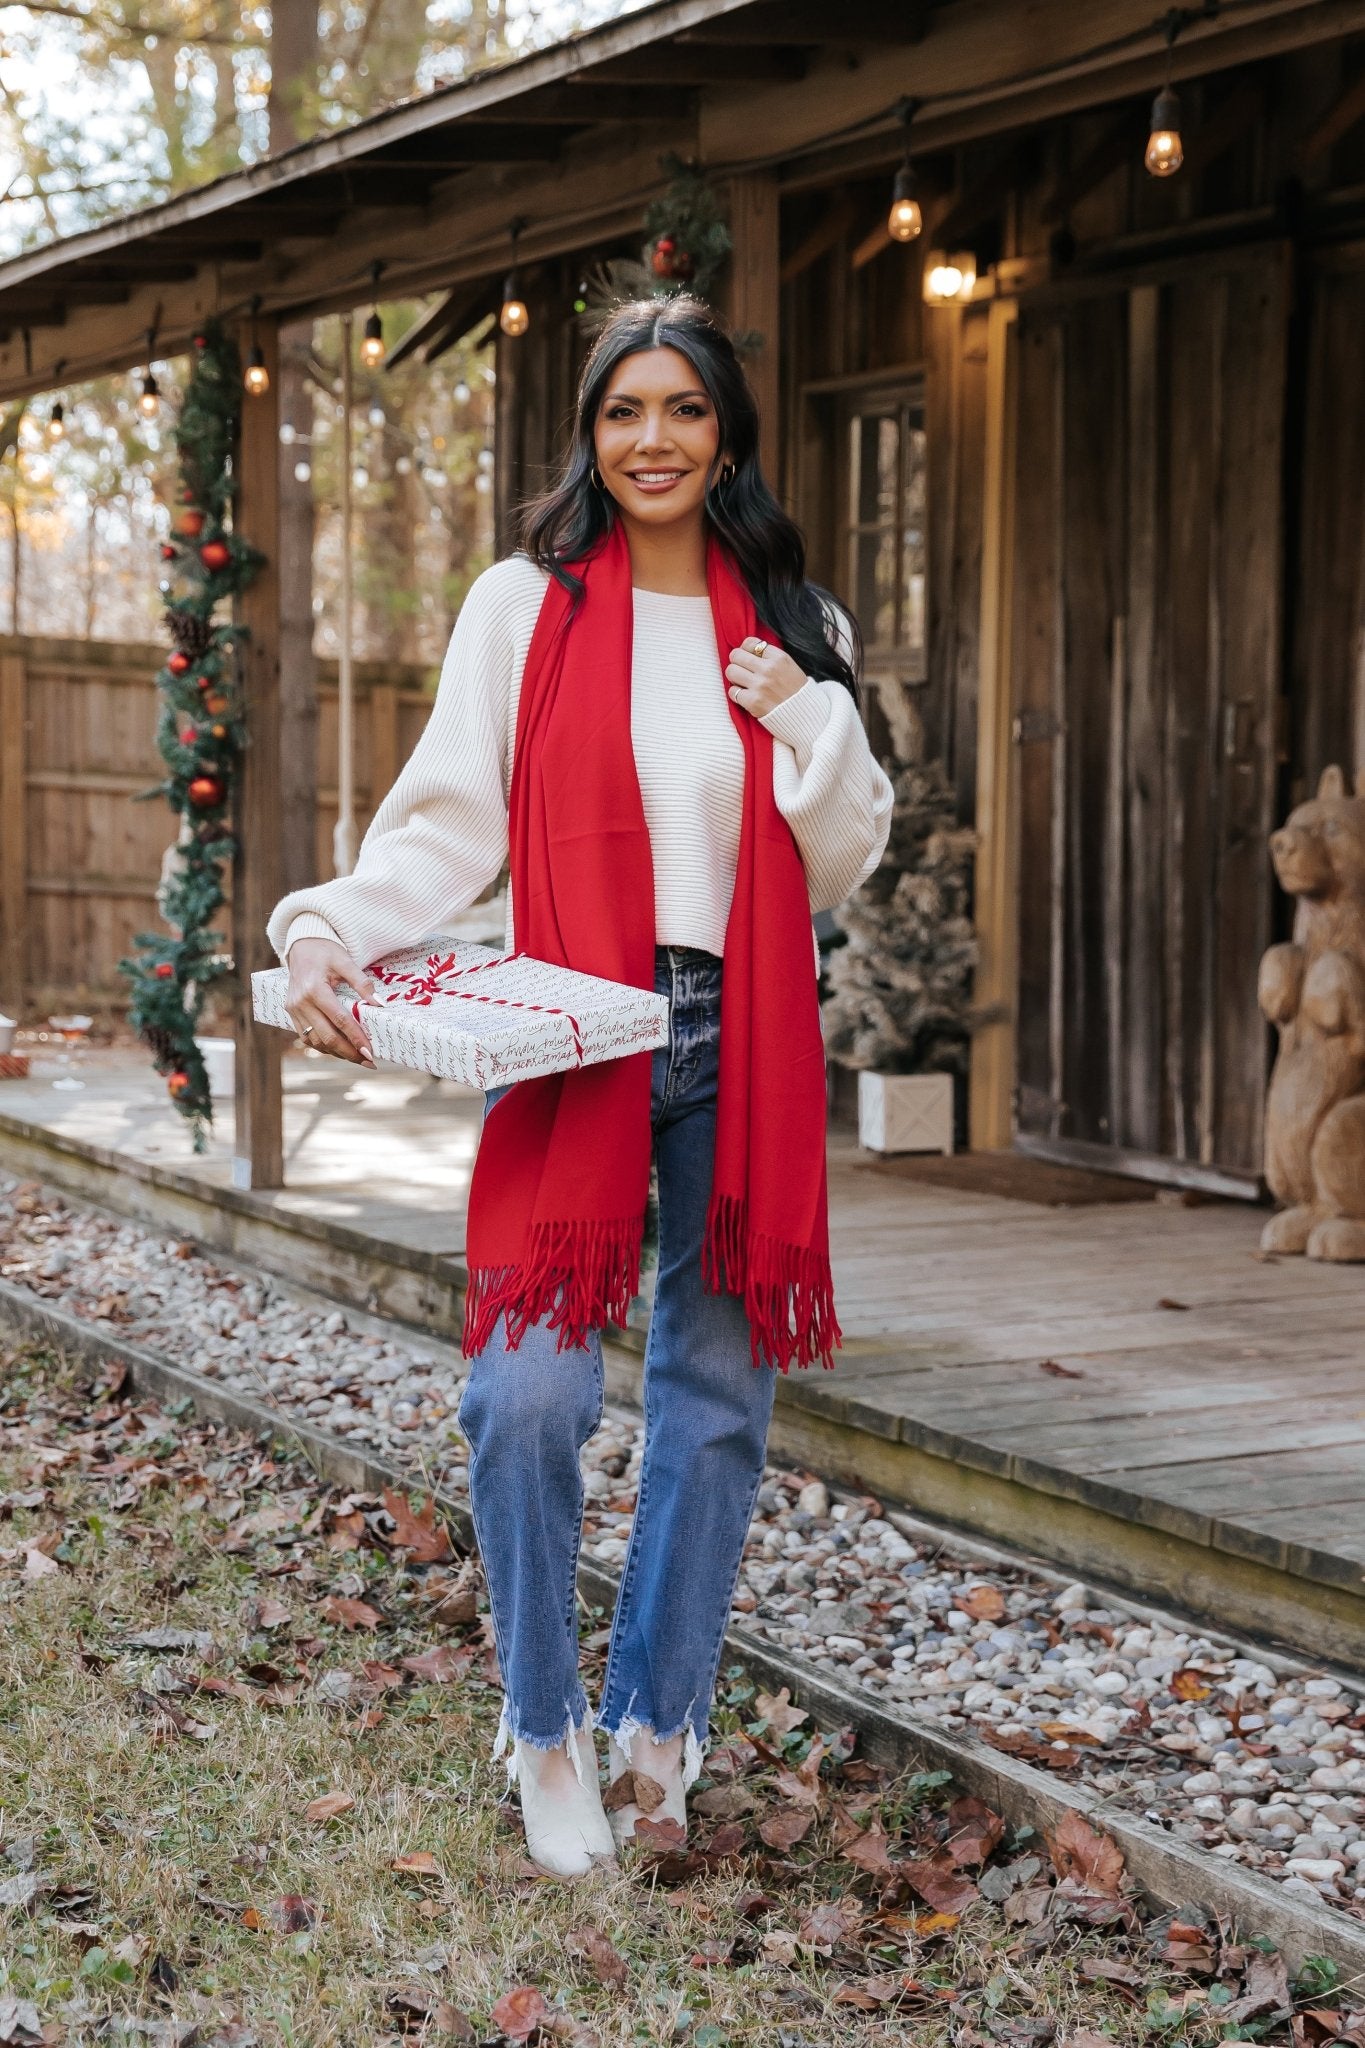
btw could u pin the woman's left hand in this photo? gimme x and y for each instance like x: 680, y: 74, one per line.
x: 760, y: 682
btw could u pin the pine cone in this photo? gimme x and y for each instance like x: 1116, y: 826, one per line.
x: 191, y: 632
x: 164, y: 1046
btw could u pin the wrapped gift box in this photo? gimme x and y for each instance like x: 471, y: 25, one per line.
x: 468, y: 1013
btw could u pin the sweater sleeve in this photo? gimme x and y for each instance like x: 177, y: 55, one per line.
x: 440, y: 835
x: 829, y: 787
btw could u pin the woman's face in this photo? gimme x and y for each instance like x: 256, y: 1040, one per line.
x: 657, y: 437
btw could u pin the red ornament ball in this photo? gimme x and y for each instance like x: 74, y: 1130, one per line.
x: 178, y: 1082
x: 167, y: 551
x: 192, y: 524
x: 206, y: 791
x: 178, y: 662
x: 214, y: 701
x: 163, y: 970
x: 201, y: 341
x: 215, y: 554
x: 188, y: 735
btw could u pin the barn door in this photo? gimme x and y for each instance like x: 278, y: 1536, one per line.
x: 1147, y: 659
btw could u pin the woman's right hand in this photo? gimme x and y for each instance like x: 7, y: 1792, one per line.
x: 315, y: 967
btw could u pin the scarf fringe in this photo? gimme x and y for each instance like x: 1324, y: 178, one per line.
x: 788, y: 1289
x: 578, y: 1277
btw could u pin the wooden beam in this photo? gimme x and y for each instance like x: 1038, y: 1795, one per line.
x: 812, y: 21
x: 837, y: 218
x: 1241, y: 109
x: 991, y: 1102
x: 258, y: 1147
x: 701, y: 64
x: 13, y: 828
x: 584, y: 100
x: 753, y: 297
x: 1115, y: 147
x: 472, y: 142
x: 1339, y: 119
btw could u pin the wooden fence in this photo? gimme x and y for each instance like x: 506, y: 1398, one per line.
x: 79, y: 857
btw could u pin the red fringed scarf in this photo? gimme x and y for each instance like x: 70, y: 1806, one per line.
x: 561, y: 1178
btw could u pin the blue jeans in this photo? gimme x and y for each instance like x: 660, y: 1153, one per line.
x: 526, y: 1415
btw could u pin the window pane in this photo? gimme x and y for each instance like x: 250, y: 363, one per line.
x: 872, y: 458
x: 915, y: 594
x: 874, y: 584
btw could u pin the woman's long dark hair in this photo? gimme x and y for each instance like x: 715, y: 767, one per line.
x: 573, y: 518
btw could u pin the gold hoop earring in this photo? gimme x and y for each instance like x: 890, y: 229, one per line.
x: 595, y: 478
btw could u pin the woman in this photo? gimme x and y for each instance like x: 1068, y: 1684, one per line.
x: 650, y: 715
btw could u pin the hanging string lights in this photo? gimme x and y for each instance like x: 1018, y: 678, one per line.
x: 56, y: 421
x: 514, y: 319
x: 149, y: 395
x: 905, y: 219
x: 255, y: 377
x: 1165, y: 152
x: 372, y: 339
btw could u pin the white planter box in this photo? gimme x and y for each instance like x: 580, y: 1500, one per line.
x: 905, y: 1112
x: 220, y: 1057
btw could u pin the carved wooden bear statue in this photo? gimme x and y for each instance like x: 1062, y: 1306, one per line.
x: 1313, y: 989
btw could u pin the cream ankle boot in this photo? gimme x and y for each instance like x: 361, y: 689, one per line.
x: 561, y: 1809
x: 644, y: 1757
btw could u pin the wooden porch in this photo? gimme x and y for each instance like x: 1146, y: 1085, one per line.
x: 1118, y: 1383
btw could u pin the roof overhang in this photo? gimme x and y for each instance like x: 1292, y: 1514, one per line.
x: 569, y: 141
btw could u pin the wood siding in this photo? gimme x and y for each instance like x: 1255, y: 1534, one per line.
x: 1148, y: 653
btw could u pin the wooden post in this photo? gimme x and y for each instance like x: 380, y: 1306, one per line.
x: 257, y: 871
x: 992, y: 1065
x: 13, y: 829
x: 753, y: 299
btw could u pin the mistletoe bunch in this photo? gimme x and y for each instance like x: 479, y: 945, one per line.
x: 200, y: 730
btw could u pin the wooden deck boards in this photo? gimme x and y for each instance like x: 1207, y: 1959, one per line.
x: 1239, y: 1414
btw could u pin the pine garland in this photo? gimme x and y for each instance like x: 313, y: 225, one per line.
x: 201, y: 729
x: 688, y: 245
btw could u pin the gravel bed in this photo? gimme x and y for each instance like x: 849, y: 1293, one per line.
x: 1259, y: 1759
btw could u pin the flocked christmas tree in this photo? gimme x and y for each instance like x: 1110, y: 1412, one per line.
x: 900, y: 990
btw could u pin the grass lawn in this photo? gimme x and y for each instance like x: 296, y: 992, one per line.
x: 245, y: 1797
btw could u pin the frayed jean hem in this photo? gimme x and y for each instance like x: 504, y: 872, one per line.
x: 626, y: 1727
x: 575, y: 1736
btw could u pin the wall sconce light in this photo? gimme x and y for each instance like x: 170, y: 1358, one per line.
x: 949, y: 279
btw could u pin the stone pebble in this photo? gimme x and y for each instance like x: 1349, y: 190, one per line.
x: 1258, y: 1759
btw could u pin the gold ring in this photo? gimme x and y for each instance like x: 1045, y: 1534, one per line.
x: 758, y: 647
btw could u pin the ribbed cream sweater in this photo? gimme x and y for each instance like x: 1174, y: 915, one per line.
x: 439, y: 837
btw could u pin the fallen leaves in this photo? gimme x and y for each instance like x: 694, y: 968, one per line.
x: 974, y: 1832
x: 329, y: 1806
x: 605, y: 1962
x: 1078, y: 1851
x: 417, y: 1531
x: 290, y: 1914
x: 784, y: 1829
x: 938, y: 1881
x: 777, y: 1710
x: 417, y: 1863
x: 518, y: 2013
x: 983, y: 1603
x: 633, y: 1788
x: 346, y: 1612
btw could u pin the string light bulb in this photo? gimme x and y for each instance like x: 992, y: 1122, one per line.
x: 514, y: 318
x: 905, y: 220
x: 149, y: 397
x: 1165, y: 152
x: 56, y: 421
x: 256, y: 377
x: 372, y: 339
x: 372, y: 342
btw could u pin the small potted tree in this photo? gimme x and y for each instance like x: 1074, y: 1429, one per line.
x: 898, y: 1006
